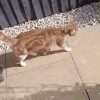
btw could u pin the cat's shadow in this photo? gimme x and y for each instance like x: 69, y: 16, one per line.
x: 9, y: 60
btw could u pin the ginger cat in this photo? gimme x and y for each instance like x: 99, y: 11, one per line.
x: 39, y: 40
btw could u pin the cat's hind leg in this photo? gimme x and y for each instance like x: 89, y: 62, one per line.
x: 23, y: 57
x: 45, y: 50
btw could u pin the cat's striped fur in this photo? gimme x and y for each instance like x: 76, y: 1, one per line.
x: 39, y: 40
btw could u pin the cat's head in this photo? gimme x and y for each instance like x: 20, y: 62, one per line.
x: 71, y: 29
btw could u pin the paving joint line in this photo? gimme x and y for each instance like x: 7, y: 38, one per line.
x: 80, y: 76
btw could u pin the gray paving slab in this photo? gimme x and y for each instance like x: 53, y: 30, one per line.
x: 61, y: 72
x: 94, y: 92
x: 3, y: 93
x: 51, y: 77
x: 47, y: 93
x: 86, y: 53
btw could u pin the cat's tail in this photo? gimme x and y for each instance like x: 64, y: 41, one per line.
x: 8, y: 40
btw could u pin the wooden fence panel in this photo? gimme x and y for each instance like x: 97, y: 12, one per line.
x: 64, y: 5
x: 17, y: 11
x: 54, y: 6
x: 46, y: 7
x: 37, y: 8
x: 3, y: 21
x: 13, y: 12
x: 73, y: 4
x: 27, y: 8
x: 8, y: 12
x: 81, y: 2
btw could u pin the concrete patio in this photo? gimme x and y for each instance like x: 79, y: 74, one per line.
x: 59, y: 75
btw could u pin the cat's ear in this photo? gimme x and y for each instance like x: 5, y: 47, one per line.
x: 72, y: 27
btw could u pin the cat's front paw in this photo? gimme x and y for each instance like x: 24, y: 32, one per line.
x: 44, y: 54
x: 23, y: 64
x: 34, y: 54
x: 67, y: 49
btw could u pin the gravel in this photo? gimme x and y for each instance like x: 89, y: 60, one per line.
x: 87, y: 15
